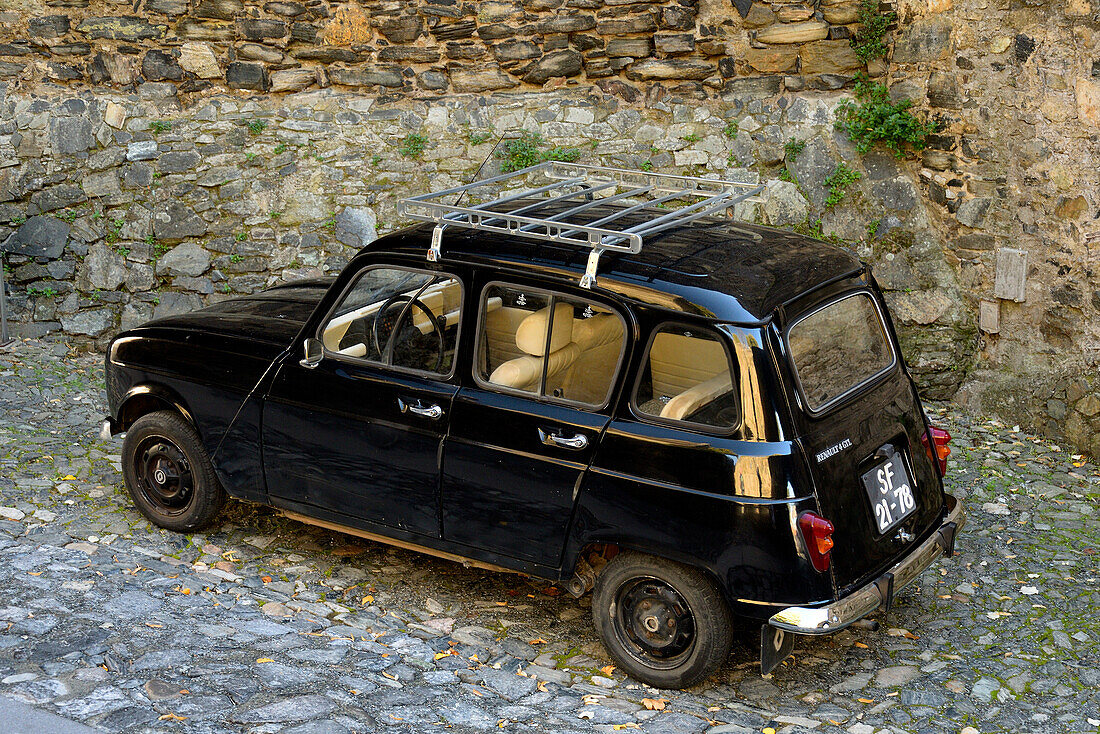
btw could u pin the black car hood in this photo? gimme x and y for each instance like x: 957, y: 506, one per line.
x: 275, y: 315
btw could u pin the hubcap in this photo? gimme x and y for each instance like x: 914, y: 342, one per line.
x: 163, y: 475
x: 654, y: 622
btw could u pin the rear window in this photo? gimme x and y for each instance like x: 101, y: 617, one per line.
x: 838, y: 348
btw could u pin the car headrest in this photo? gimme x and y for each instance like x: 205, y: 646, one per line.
x: 531, y: 334
x: 597, y: 330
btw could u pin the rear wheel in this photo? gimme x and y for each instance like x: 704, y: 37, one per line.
x: 168, y: 473
x: 664, y: 623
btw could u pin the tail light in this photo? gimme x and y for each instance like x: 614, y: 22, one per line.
x: 818, y: 534
x: 937, y: 447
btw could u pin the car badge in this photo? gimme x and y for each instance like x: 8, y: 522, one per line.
x: 522, y: 300
x: 833, y: 450
x: 587, y: 312
x: 903, y: 536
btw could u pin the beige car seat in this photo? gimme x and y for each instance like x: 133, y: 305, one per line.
x: 525, y: 371
x: 600, y: 338
x: 688, y: 372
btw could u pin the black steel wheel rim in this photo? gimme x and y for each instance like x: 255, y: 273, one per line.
x: 163, y: 475
x: 654, y: 623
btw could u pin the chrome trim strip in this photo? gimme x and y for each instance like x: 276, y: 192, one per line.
x: 843, y: 612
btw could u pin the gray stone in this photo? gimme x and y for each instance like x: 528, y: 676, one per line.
x: 897, y: 675
x: 972, y: 212
x: 555, y: 64
x: 811, y: 167
x: 175, y: 221
x: 172, y: 303
x: 71, y: 135
x: 39, y: 236
x: 509, y: 685
x: 366, y: 76
x: 186, y: 259
x: 784, y: 204
x: 132, y: 604
x: 120, y: 28
x: 247, y: 75
x: 88, y: 323
x: 219, y: 9
x: 356, y: 226
x: 57, y: 197
x: 298, y: 708
x: 898, y: 193
x: 178, y: 161
x: 49, y: 26
x: 101, y: 183
x: 923, y: 41
x: 145, y: 150
x: 105, y: 268
x: 657, y: 69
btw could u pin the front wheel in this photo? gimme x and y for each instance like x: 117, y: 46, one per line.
x: 664, y: 623
x: 168, y: 473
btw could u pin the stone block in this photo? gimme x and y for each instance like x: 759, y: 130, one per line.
x: 198, y: 58
x: 246, y: 75
x: 57, y: 197
x: 366, y: 76
x: 168, y: 7
x: 1087, y: 93
x: 810, y: 30
x: 404, y: 29
x: 841, y: 14
x: 1011, y: 275
x: 10, y: 69
x: 205, y: 30
x: 71, y: 135
x: 1072, y: 208
x: 178, y: 161
x: 187, y: 259
x: 570, y: 24
x: 258, y: 29
x: 924, y: 41
x: 175, y: 221
x: 485, y: 79
x: 285, y: 9
x: 455, y: 31
x: 674, y: 43
x: 622, y: 26
x: 775, y: 60
x: 120, y: 28
x: 973, y: 212
x: 513, y: 51
x: 158, y: 66
x: 39, y: 236
x: 794, y: 12
x: 652, y: 69
x: 115, y: 115
x: 555, y: 64
x: 218, y: 9
x: 760, y: 15
x: 49, y: 26
x: 989, y: 316
x: 638, y: 48
x: 88, y: 323
x: 292, y: 80
x: 102, y: 183
x: 409, y: 55
x: 104, y: 268
x: 829, y: 57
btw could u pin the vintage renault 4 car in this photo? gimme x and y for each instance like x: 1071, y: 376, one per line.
x: 599, y: 381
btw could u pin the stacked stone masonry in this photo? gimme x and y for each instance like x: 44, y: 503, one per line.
x: 161, y: 155
x: 429, y: 47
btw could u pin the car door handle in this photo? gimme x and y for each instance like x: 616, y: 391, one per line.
x: 576, y: 443
x: 427, y: 411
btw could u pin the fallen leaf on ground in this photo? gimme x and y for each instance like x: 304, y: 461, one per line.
x: 264, y: 660
x: 537, y: 641
x: 171, y: 717
x: 654, y: 704
x: 607, y: 669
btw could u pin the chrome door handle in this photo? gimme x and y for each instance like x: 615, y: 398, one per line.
x: 576, y: 443
x: 427, y: 411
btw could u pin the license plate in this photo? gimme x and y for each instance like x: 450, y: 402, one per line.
x: 891, y: 493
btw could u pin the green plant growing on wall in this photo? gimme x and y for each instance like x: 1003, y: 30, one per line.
x: 731, y: 130
x: 241, y: 236
x: 525, y: 151
x: 646, y: 166
x: 280, y: 148
x: 257, y: 126
x: 838, y: 182
x: 792, y: 148
x: 873, y: 118
x: 114, y: 230
x: 692, y: 138
x: 375, y: 159
x: 869, y: 43
x: 160, y: 126
x: 413, y: 145
x: 479, y: 138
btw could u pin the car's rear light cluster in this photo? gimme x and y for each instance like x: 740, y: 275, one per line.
x: 818, y: 534
x: 935, y: 444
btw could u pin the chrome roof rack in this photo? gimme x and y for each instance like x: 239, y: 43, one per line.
x: 589, y: 186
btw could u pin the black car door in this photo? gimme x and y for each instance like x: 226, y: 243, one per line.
x: 524, y: 433
x: 360, y: 432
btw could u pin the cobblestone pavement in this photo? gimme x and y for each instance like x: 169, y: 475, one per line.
x: 268, y: 625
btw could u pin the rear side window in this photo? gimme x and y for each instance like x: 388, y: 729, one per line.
x: 687, y: 376
x: 571, y: 356
x: 838, y: 348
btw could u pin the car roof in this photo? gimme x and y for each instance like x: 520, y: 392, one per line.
x: 721, y: 268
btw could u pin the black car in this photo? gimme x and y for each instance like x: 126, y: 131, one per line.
x: 598, y: 381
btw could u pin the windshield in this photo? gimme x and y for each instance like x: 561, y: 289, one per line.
x: 838, y: 348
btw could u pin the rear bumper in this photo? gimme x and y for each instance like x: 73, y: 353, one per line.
x: 857, y: 605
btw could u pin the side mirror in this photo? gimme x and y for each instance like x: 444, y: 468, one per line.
x: 314, y: 353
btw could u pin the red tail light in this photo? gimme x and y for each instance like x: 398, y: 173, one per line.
x: 818, y: 534
x: 937, y: 448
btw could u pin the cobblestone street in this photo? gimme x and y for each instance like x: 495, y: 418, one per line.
x: 268, y: 625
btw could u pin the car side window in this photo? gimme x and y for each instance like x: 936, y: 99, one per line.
x: 572, y: 356
x: 398, y: 317
x: 687, y: 376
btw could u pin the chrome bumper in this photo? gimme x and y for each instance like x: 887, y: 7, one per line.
x: 860, y: 603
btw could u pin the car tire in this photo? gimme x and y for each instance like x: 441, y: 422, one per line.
x: 168, y: 473
x: 664, y: 623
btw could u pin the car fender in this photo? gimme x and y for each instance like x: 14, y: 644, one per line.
x: 140, y: 399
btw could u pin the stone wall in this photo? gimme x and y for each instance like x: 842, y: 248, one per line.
x: 162, y: 154
x: 428, y: 47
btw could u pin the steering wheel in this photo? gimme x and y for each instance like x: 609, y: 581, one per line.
x: 382, y: 317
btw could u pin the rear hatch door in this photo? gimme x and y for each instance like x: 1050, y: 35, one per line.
x: 861, y: 427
